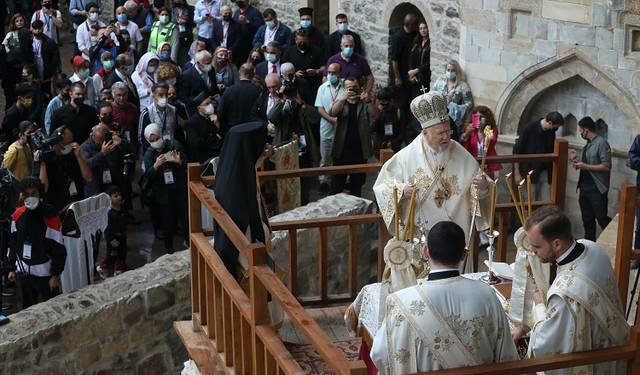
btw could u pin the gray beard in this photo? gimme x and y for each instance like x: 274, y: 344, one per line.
x: 439, y: 157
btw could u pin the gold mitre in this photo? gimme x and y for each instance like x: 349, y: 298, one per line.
x: 430, y: 109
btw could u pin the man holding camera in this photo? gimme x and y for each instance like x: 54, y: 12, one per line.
x: 106, y: 160
x: 352, y: 139
x: 292, y: 115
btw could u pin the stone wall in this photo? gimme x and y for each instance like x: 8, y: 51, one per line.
x: 120, y: 326
x: 338, y: 244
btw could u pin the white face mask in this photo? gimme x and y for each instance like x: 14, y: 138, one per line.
x: 66, y: 149
x: 158, y: 145
x: 287, y: 105
x: 208, y: 109
x: 93, y: 16
x: 162, y: 102
x: 164, y: 19
x: 31, y: 203
x: 151, y: 69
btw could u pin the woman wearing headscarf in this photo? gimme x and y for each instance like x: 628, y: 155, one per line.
x: 226, y: 72
x: 165, y: 55
x: 165, y: 165
x: 196, y: 47
x: 144, y: 77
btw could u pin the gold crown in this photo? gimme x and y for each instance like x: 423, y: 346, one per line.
x: 430, y: 109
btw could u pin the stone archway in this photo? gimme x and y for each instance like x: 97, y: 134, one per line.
x: 529, y: 85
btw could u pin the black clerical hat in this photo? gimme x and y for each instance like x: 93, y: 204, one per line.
x: 200, y: 98
x: 306, y: 11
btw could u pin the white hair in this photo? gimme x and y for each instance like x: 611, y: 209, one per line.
x: 287, y: 67
x: 129, y: 5
x: 201, y: 55
x: 347, y: 38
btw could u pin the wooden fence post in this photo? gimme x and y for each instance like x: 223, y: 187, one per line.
x: 259, y: 309
x: 624, y: 243
x: 195, y: 225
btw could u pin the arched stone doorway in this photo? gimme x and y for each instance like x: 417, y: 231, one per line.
x: 528, y: 95
x: 396, y: 20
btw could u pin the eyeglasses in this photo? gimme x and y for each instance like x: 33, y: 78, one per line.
x: 444, y: 133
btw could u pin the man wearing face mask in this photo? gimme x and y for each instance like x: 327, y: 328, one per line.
x: 51, y: 19
x: 272, y: 61
x: 80, y: 12
x: 227, y: 33
x: 272, y: 30
x: 82, y: 73
x: 78, y: 116
x: 595, y: 172
x: 133, y: 29
x: 64, y: 173
x: 308, y: 59
x: 315, y: 36
x: 537, y: 137
x: 237, y: 101
x: 83, y: 35
x: 63, y: 87
x: 334, y: 40
x: 391, y: 125
x: 46, y: 57
x: 125, y: 114
x: 328, y: 93
x: 293, y: 115
x: 103, y: 154
x: 205, y: 14
x: 17, y: 113
x: 201, y: 78
x: 353, y: 65
x: 37, y: 256
x: 250, y: 19
x: 143, y: 17
x: 203, y: 131
x: 163, y: 114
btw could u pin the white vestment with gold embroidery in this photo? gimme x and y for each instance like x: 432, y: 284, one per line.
x: 440, y: 324
x: 583, y: 312
x: 445, y: 191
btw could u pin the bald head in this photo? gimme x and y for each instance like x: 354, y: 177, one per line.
x: 246, y: 71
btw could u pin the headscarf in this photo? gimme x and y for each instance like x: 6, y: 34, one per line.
x: 152, y: 129
x: 159, y: 49
x: 144, y: 62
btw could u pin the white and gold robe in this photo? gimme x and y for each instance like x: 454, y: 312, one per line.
x: 469, y: 328
x: 583, y: 312
x: 445, y: 192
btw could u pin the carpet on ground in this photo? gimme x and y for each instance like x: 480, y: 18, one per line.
x: 312, y: 363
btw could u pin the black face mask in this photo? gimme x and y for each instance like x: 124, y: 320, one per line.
x: 66, y: 96
x: 78, y: 101
x: 240, y: 4
x: 24, y: 78
x: 37, y: 35
x: 303, y: 46
x: 108, y: 119
x: 255, y: 62
x: 172, y: 100
x: 177, y: 4
x: 227, y: 17
x: 29, y: 139
x: 47, y: 5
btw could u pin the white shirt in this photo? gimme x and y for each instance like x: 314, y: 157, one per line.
x: 271, y: 102
x: 269, y: 34
x: 37, y: 52
x: 133, y: 30
x: 83, y: 36
x: 50, y: 28
x: 205, y: 28
x: 270, y: 67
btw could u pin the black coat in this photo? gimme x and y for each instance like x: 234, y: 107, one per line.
x: 167, y: 193
x: 333, y: 43
x: 50, y: 58
x: 202, y: 138
x: 234, y: 35
x: 79, y: 122
x: 191, y: 85
x: 236, y: 104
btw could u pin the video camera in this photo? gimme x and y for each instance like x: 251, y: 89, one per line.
x: 45, y: 145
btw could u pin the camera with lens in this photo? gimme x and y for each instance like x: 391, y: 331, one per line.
x: 290, y: 90
x: 45, y: 145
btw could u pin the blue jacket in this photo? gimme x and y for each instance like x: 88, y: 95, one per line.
x: 283, y: 36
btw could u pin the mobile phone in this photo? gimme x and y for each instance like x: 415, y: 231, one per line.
x: 108, y: 137
x: 3, y: 320
x: 475, y: 119
x: 169, y: 156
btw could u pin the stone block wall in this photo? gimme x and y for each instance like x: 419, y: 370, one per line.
x: 338, y: 244
x: 120, y: 326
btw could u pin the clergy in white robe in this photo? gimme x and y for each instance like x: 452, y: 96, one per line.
x: 583, y: 307
x: 446, y: 321
x: 447, y: 178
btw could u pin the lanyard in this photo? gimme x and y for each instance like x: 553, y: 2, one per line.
x: 163, y: 118
x: 334, y: 98
x: 272, y: 33
x: 225, y: 31
x: 210, y: 7
x: 46, y: 19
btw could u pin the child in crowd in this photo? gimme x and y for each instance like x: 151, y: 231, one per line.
x: 116, y: 236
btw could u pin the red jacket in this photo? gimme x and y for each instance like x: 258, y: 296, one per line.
x: 471, y: 145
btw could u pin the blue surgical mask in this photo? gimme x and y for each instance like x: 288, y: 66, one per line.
x: 271, y: 57
x: 332, y: 79
x: 450, y: 75
x: 270, y: 24
x: 343, y: 27
x: 122, y: 17
x: 108, y: 64
x: 305, y: 23
x: 85, y: 73
x: 483, y: 121
x: 165, y: 56
x: 129, y: 70
x: 348, y: 51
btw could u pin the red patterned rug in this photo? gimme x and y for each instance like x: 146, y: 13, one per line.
x: 311, y: 362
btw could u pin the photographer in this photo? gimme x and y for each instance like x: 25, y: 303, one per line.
x: 166, y: 169
x: 391, y: 126
x: 37, y: 255
x: 352, y: 140
x: 62, y: 169
x: 293, y: 115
